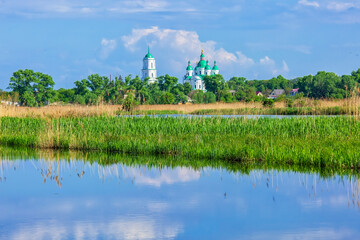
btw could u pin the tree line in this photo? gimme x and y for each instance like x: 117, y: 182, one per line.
x: 31, y: 88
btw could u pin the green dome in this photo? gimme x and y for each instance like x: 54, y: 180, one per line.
x: 207, y: 66
x: 215, y: 67
x: 189, y: 67
x: 202, y: 64
x: 148, y: 55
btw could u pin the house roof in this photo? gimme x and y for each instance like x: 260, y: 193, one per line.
x: 278, y: 92
x: 295, y: 90
x: 257, y: 92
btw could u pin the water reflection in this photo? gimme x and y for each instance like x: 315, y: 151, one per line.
x: 49, y: 195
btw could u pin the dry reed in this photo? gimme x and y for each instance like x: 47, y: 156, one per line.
x: 352, y: 105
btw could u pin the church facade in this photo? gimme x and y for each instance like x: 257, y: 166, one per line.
x: 149, y: 68
x: 202, y: 69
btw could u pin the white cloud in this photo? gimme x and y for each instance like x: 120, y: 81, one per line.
x: 309, y: 3
x: 165, y: 176
x: 285, y: 68
x: 267, y: 61
x: 118, y: 228
x: 107, y: 46
x: 340, y: 6
x: 179, y: 46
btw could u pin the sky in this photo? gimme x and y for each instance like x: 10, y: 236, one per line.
x: 256, y: 39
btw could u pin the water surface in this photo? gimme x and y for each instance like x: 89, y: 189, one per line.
x: 53, y: 197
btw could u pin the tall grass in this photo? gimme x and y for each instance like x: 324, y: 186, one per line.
x: 303, y: 106
x: 162, y: 162
x: 312, y: 141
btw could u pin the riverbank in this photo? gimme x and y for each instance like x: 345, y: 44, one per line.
x: 306, y: 106
x: 318, y: 141
x: 53, y: 156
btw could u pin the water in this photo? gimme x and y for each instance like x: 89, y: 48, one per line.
x: 48, y: 197
x: 227, y: 116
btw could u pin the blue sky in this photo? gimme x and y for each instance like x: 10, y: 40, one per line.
x: 256, y: 39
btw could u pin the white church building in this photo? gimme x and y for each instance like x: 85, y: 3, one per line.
x: 194, y: 77
x: 149, y: 68
x: 202, y: 69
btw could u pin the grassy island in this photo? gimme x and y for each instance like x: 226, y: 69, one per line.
x: 311, y: 141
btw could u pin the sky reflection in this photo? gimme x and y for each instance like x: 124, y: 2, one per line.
x: 58, y: 199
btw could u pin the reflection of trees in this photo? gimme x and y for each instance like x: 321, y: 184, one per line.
x: 273, y: 179
x: 53, y: 163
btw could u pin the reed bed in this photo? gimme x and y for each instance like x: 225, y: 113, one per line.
x: 303, y: 106
x: 310, y: 141
x: 53, y: 157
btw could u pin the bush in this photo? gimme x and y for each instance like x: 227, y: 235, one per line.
x: 129, y: 103
x: 79, y: 99
x: 167, y: 98
x: 210, y: 97
x: 268, y: 103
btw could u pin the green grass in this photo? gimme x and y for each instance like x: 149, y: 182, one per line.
x: 279, y: 111
x: 313, y: 141
x: 162, y: 162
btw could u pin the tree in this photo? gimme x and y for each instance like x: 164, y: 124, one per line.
x: 209, y: 97
x: 356, y: 75
x: 187, y: 88
x: 81, y: 87
x: 129, y: 103
x: 166, y: 83
x: 66, y: 95
x: 197, y: 96
x: 34, y: 88
x: 167, y: 98
x: 214, y: 83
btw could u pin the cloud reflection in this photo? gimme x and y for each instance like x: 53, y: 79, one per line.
x: 118, y: 228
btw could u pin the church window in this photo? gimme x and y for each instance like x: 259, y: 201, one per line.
x: 152, y: 75
x: 152, y: 66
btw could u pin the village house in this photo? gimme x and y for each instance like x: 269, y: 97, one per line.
x: 276, y: 93
x: 294, y: 92
x: 258, y: 93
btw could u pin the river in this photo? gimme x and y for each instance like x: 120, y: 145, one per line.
x: 51, y: 196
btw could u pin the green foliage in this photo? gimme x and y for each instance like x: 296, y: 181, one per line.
x: 314, y: 141
x: 187, y: 88
x: 34, y: 88
x: 214, y: 83
x: 78, y: 99
x: 166, y: 83
x: 209, y: 97
x: 268, y: 103
x: 167, y: 98
x: 198, y: 96
x: 91, y: 98
x: 66, y: 95
x: 129, y: 103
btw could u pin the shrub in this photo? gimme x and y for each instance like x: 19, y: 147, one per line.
x: 129, y: 103
x: 268, y: 103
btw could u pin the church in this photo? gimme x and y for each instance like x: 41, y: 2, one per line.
x: 194, y: 77
x: 202, y: 69
x: 149, y: 68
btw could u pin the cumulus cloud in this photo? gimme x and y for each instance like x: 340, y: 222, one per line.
x: 107, y: 46
x: 309, y: 3
x: 179, y: 46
